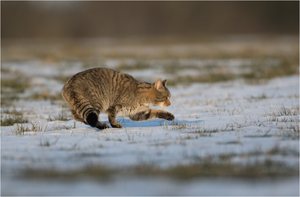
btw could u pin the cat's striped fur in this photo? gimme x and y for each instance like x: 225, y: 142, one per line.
x: 105, y: 90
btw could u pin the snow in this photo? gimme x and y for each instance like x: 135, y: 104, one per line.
x: 211, y: 120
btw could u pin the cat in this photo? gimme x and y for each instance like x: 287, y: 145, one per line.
x: 105, y: 90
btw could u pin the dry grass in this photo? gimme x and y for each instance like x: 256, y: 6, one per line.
x: 12, y: 116
x: 12, y: 85
x: 175, y: 125
x: 186, y: 80
x: 258, y: 97
x: 63, y: 115
x: 213, y: 169
x: 63, y: 127
x: 206, y: 167
x: 206, y: 130
x: 286, y: 120
x: 259, y: 70
x: 21, y: 129
x: 259, y: 50
x: 13, y: 120
x: 284, y: 111
x: 46, y: 96
x: 17, y: 85
x: 62, y: 78
x: 44, y: 142
x: 160, y: 47
x: 96, y: 172
x: 138, y: 65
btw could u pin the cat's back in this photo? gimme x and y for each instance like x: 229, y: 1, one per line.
x: 99, y: 76
x: 107, y: 85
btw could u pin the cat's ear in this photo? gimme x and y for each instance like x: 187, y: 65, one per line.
x: 164, y: 82
x: 158, y: 84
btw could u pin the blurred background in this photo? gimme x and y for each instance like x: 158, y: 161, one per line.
x: 93, y: 32
x: 74, y: 20
x: 157, y: 35
x: 228, y: 64
x: 184, y: 42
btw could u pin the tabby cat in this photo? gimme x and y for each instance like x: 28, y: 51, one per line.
x: 105, y: 90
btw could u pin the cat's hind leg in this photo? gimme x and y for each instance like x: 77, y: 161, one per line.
x: 76, y: 116
x: 92, y: 120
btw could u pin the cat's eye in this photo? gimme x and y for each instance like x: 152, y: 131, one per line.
x: 161, y: 99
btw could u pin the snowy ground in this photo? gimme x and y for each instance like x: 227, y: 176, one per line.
x: 239, y: 137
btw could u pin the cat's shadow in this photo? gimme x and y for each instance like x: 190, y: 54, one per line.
x: 157, y: 122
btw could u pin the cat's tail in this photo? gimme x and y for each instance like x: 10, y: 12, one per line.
x: 88, y: 113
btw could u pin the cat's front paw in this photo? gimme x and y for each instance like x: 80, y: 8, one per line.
x: 166, y: 116
x: 170, y: 116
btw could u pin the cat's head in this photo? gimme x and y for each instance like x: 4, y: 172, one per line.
x: 162, y: 94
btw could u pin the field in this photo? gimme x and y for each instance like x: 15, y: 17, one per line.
x: 236, y: 127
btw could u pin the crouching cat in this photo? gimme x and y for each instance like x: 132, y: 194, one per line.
x: 105, y: 90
